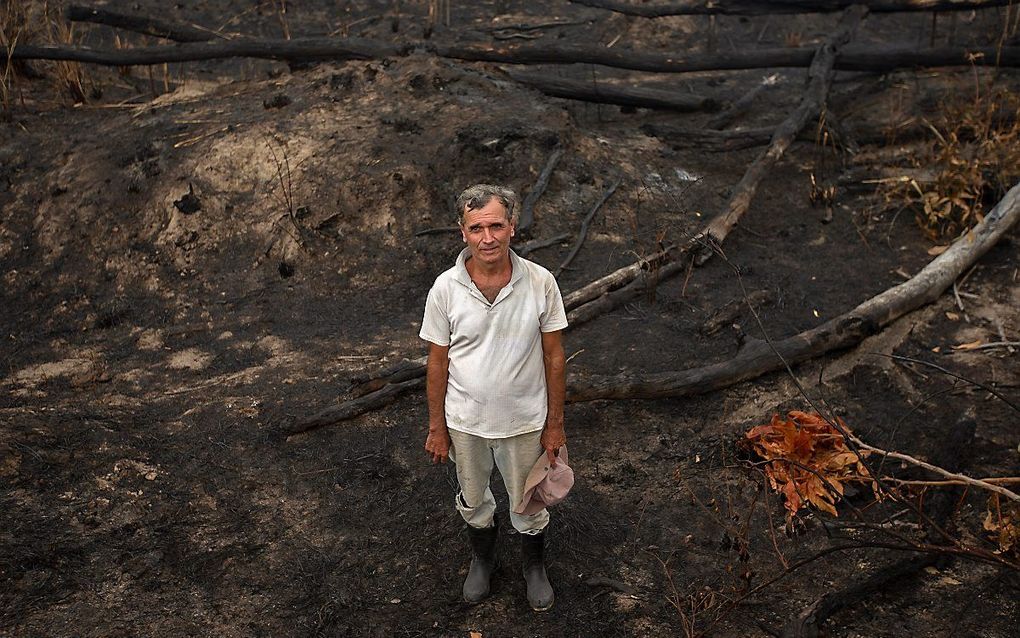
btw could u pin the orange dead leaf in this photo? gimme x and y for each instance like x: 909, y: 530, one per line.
x: 1003, y: 521
x: 808, y: 460
x: 972, y: 345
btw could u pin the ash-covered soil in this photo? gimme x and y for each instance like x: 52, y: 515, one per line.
x: 185, y: 272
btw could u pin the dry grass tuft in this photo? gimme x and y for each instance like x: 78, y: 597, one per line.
x: 971, y: 159
x: 68, y: 76
x: 793, y: 39
x: 26, y: 21
x: 13, y: 24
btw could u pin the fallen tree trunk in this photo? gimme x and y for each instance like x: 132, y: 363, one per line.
x: 819, y: 80
x: 168, y: 29
x: 633, y: 95
x: 756, y: 357
x: 306, y: 49
x: 303, y: 49
x: 616, y: 279
x: 876, y: 59
x: 870, y: 59
x: 780, y: 7
x: 645, y: 281
x: 618, y: 287
x: 742, y: 104
x: 811, y: 106
x: 350, y: 409
x: 610, y: 93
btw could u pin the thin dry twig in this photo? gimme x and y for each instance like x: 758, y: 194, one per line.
x: 583, y: 233
x: 995, y: 480
x: 527, y: 215
x: 929, y: 364
x: 953, y: 476
x: 994, y: 344
x: 959, y: 302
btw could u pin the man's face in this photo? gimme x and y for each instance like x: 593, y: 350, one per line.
x: 487, y: 232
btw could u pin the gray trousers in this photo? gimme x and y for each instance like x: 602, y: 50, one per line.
x: 514, y: 456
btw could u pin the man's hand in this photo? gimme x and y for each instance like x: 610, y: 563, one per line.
x: 438, y: 444
x: 553, y: 438
x: 437, y: 374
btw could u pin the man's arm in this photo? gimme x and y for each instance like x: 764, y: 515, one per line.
x: 437, y: 373
x: 553, y: 436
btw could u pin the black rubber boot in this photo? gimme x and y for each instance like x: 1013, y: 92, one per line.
x: 483, y: 563
x: 540, y: 592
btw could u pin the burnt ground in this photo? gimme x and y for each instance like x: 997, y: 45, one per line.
x: 150, y: 355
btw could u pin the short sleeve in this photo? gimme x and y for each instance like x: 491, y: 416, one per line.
x: 555, y: 317
x: 435, y: 325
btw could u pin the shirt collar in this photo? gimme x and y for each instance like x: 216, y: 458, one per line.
x: 516, y: 266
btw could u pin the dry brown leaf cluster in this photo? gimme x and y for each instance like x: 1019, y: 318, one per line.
x: 1003, y: 521
x: 808, y: 460
x: 973, y: 158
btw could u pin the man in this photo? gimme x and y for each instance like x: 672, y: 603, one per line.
x: 496, y: 381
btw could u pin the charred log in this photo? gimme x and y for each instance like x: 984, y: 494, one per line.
x: 620, y: 95
x: 338, y: 49
x: 350, y: 409
x: 757, y: 357
x: 820, y: 77
x: 779, y: 7
x: 170, y: 30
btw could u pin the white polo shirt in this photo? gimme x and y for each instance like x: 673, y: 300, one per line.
x: 496, y: 387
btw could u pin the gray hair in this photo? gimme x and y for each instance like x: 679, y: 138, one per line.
x: 477, y: 196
